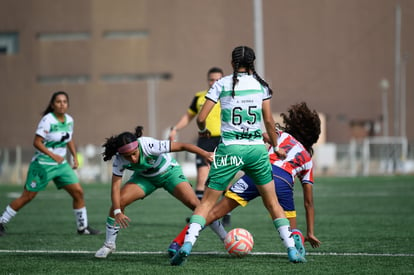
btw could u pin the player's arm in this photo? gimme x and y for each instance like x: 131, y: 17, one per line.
x: 310, y: 215
x: 202, y: 116
x: 269, y: 124
x: 39, y: 145
x: 72, y: 149
x: 182, y: 123
x: 179, y: 146
x: 118, y: 214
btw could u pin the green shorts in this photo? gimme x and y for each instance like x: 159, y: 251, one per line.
x: 39, y: 176
x: 229, y: 159
x: 167, y: 180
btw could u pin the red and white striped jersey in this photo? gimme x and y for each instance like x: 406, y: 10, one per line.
x: 298, y: 161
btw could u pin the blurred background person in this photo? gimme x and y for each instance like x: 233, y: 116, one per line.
x: 54, y: 135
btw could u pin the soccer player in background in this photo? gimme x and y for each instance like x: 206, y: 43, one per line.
x: 54, y: 135
x: 245, y: 102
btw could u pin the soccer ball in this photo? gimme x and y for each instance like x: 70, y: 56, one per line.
x: 238, y: 242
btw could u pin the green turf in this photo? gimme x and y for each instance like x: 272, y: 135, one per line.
x: 366, y: 226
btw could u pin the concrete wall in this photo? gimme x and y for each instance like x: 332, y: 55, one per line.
x: 331, y: 54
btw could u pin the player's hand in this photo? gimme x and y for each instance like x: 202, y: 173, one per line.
x: 209, y: 157
x: 122, y: 220
x: 281, y: 153
x: 206, y: 133
x: 75, y: 164
x: 58, y: 159
x: 314, y: 242
x: 173, y: 134
x: 266, y: 138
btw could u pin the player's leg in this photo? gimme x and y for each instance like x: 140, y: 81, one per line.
x: 12, y: 209
x: 79, y: 209
x: 284, y: 191
x: 281, y: 223
x: 219, y: 177
x: 202, y: 174
x: 36, y: 180
x: 224, y: 206
x: 65, y: 178
x: 260, y: 171
x: 197, y: 223
x: 130, y: 192
x: 184, y: 193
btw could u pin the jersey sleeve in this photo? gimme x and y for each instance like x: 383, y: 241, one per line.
x: 151, y: 146
x: 43, y: 127
x: 306, y: 176
x: 266, y: 95
x: 118, y: 166
x: 213, y: 93
x: 193, y: 106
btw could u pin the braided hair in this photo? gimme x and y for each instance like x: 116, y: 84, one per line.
x: 244, y: 57
x: 303, y: 124
x: 114, y: 142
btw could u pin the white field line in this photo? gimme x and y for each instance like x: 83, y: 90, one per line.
x: 202, y: 253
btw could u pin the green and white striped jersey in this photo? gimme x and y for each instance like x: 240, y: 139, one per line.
x: 153, y: 158
x: 56, y: 135
x: 241, y: 116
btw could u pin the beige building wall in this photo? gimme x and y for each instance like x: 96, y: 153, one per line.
x: 331, y: 54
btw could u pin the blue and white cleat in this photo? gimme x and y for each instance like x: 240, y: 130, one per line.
x: 181, y: 256
x: 299, y: 241
x: 294, y: 256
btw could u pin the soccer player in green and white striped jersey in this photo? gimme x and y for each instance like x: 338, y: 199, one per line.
x: 153, y: 168
x: 245, y: 103
x: 53, y: 137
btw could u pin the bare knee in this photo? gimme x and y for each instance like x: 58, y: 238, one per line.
x: 25, y: 198
x: 77, y: 194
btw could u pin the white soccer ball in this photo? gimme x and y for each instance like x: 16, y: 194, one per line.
x: 238, y: 242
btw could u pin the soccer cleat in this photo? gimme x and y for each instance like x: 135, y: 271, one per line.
x: 173, y: 248
x: 104, y: 251
x: 294, y: 256
x: 2, y: 230
x: 226, y: 220
x: 299, y: 242
x: 182, y: 254
x: 89, y: 231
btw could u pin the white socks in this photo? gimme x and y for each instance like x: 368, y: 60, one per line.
x: 111, y: 232
x: 192, y: 233
x: 218, y: 228
x: 283, y: 227
x: 8, y: 214
x: 81, y: 218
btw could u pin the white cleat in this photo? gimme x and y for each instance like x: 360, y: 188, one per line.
x: 104, y: 251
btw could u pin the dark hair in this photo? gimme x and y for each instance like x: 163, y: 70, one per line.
x: 244, y: 57
x: 303, y: 124
x: 215, y: 70
x: 49, y: 108
x: 113, y: 143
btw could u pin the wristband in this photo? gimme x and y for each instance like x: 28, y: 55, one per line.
x: 276, y: 148
x: 173, y: 128
x: 117, y: 211
x: 203, y: 131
